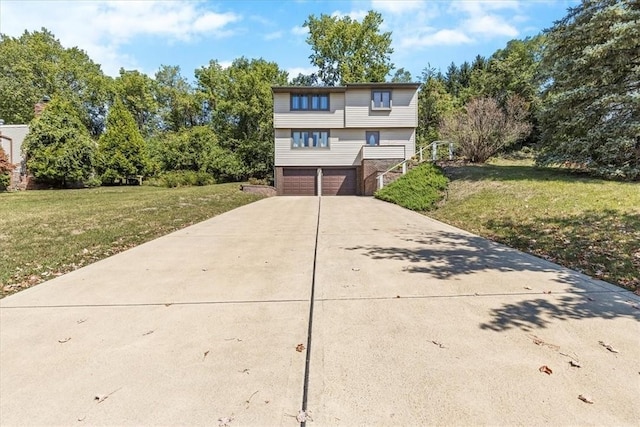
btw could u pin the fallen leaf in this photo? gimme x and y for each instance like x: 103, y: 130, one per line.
x: 206, y: 353
x: 528, y: 288
x: 355, y: 269
x: 608, y: 347
x: 547, y: 370
x: 575, y: 364
x: 586, y: 399
x: 81, y: 321
x: 299, y: 348
x: 64, y: 340
x: 147, y: 333
x: 439, y: 344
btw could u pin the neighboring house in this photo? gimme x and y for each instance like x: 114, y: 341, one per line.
x: 336, y: 140
x: 11, y: 138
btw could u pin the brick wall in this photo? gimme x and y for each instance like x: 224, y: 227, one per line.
x: 370, y: 170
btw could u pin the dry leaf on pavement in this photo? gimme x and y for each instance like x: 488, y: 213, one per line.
x: 608, y: 347
x: 575, y: 363
x: 547, y: 370
x: 585, y: 399
x: 299, y: 348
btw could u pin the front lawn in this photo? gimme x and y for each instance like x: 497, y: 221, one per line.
x: 586, y: 224
x: 47, y: 233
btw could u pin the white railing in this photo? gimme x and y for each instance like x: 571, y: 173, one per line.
x: 434, y: 156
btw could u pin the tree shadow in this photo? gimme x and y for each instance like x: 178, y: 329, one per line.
x: 444, y: 255
x: 539, y: 312
x: 603, y: 244
x: 514, y: 173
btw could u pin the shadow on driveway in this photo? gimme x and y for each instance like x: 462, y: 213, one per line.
x: 444, y: 255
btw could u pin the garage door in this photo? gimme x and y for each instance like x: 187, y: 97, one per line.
x: 299, y: 182
x: 339, y: 182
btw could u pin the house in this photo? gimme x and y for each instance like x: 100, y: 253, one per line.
x: 11, y: 138
x: 336, y: 140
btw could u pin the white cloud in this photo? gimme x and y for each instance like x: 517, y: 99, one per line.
x: 300, y: 31
x: 101, y: 28
x: 396, y: 6
x: 225, y: 64
x: 489, y: 26
x: 442, y: 37
x: 294, y: 71
x: 356, y: 15
x: 273, y: 36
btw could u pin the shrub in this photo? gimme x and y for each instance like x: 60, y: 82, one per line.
x: 182, y: 179
x: 419, y: 190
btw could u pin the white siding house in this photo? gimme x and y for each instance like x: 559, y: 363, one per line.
x: 335, y: 140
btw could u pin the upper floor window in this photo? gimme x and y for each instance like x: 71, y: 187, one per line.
x: 381, y: 99
x: 316, y: 101
x: 310, y: 139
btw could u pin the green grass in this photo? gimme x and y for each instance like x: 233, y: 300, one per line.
x: 47, y: 233
x: 418, y: 190
x: 586, y: 224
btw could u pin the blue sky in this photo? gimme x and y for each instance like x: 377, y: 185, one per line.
x: 144, y: 35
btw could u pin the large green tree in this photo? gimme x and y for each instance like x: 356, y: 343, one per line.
x: 346, y: 50
x: 241, y: 109
x: 58, y: 148
x: 121, y: 148
x: 180, y: 106
x: 590, y: 115
x: 137, y: 92
x: 36, y: 65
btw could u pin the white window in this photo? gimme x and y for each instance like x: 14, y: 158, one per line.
x: 304, y: 101
x: 310, y: 139
x: 381, y: 99
x: 372, y: 137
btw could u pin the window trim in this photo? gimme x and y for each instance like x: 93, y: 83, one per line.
x: 382, y: 108
x: 311, y: 147
x: 309, y: 97
x: 372, y: 132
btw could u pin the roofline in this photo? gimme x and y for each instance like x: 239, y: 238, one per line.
x: 385, y: 85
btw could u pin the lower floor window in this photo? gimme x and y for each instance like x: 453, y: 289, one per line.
x: 310, y: 139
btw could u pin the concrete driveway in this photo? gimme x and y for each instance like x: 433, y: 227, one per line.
x: 413, y: 323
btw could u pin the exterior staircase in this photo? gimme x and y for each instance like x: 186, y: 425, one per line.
x: 396, y: 171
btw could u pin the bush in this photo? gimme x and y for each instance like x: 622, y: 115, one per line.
x: 182, y: 179
x: 419, y: 190
x: 5, y: 170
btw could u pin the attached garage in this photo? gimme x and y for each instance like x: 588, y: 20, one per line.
x: 299, y: 182
x: 339, y: 182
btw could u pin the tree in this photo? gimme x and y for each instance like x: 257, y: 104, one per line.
x: 5, y: 170
x: 348, y: 51
x: 590, y: 115
x: 180, y: 106
x: 137, y: 92
x: 305, y: 80
x: 434, y: 104
x: 58, y: 148
x: 243, y: 113
x: 35, y: 65
x: 401, y: 76
x: 121, y: 149
x: 483, y: 128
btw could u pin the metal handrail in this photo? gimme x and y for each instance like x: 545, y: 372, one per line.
x: 434, y: 157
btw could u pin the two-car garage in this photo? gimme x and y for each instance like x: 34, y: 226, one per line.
x: 332, y: 181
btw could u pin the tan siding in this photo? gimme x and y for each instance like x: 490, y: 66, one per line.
x: 283, y: 117
x: 344, y: 147
x: 404, y: 111
x: 384, y: 152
